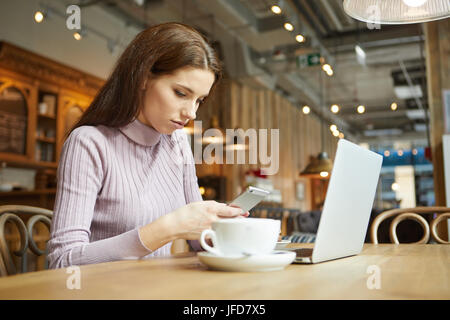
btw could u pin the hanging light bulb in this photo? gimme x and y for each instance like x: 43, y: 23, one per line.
x: 397, y: 11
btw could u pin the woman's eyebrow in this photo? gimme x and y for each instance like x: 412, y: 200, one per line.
x: 189, y: 89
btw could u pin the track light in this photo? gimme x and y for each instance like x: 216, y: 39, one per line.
x: 288, y: 26
x: 39, y: 16
x: 276, y: 9
x: 306, y: 109
x: 300, y: 38
x: 78, y: 35
x: 335, y: 108
x: 361, y: 109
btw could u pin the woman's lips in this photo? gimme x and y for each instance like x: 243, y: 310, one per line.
x: 178, y: 125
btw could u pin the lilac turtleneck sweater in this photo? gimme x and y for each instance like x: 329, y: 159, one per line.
x: 110, y: 183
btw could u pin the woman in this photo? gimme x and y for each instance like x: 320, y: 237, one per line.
x: 126, y: 179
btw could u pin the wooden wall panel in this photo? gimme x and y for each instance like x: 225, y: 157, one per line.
x: 239, y: 106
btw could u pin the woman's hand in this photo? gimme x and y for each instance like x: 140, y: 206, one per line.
x: 187, y: 222
x: 191, y: 219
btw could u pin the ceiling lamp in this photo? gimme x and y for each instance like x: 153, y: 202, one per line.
x: 318, y: 165
x: 397, y: 11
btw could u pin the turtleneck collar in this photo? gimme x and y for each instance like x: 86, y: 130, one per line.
x: 141, y: 133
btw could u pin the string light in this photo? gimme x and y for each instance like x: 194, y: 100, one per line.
x: 288, y: 26
x: 276, y: 9
x: 327, y: 68
x: 333, y: 127
x: 300, y: 38
x: 335, y: 108
x: 39, y: 16
x: 361, y: 109
x: 77, y: 35
x: 306, y: 109
x: 394, y: 106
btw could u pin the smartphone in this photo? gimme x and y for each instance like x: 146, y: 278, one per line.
x: 250, y: 198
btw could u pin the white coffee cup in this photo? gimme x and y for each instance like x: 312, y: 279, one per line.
x: 237, y: 236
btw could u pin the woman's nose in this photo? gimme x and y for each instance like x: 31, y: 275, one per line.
x: 190, y: 112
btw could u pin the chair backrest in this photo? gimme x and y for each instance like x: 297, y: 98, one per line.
x: 411, y: 213
x: 25, y: 219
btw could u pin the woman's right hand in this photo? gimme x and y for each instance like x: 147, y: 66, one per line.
x: 190, y: 220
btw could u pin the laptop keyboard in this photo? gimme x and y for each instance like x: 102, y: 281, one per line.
x: 305, y: 252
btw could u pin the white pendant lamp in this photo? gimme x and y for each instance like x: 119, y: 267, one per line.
x: 397, y: 11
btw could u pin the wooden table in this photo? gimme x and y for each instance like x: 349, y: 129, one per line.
x: 406, y: 271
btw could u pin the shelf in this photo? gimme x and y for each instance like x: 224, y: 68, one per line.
x: 28, y: 193
x: 25, y: 163
x: 47, y: 116
x: 46, y: 140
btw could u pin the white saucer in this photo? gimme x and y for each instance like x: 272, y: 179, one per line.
x: 277, y: 260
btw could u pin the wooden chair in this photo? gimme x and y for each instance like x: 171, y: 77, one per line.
x: 411, y: 213
x: 25, y: 219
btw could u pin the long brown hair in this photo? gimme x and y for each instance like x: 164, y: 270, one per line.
x: 158, y: 50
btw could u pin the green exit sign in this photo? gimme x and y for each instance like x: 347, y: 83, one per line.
x: 308, y: 60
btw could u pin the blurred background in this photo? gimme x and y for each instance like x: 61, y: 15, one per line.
x: 305, y: 67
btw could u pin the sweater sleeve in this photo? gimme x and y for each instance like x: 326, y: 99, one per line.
x: 80, y: 179
x: 190, y: 181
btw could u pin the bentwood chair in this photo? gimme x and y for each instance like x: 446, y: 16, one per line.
x: 30, y: 235
x: 442, y: 213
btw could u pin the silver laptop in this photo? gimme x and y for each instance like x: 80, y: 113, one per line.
x: 348, y: 204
